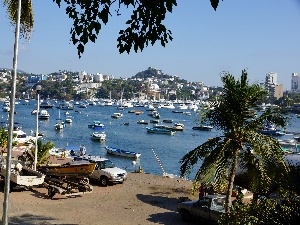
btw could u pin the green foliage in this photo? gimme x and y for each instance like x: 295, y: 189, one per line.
x: 241, y: 145
x: 26, y: 20
x: 265, y: 211
x: 3, y: 137
x: 42, y: 153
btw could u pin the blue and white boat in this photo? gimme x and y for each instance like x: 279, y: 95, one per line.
x: 120, y: 152
x: 98, y: 134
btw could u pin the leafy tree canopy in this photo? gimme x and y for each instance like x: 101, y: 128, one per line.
x: 145, y: 25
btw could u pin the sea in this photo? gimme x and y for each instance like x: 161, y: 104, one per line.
x: 160, y: 153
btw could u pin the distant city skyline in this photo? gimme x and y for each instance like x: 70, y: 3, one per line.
x: 260, y: 36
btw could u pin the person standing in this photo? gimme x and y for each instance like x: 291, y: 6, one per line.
x: 201, y: 190
x: 83, y: 150
x: 80, y: 152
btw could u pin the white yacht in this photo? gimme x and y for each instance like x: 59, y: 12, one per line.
x: 6, y: 106
x: 43, y: 115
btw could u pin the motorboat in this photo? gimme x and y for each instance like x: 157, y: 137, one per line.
x: 46, y: 105
x: 156, y: 130
x: 203, y: 127
x: 34, y: 112
x: 60, y: 152
x: 69, y: 119
x: 96, y: 123
x: 66, y: 106
x: 142, y: 122
x: 176, y: 127
x: 76, y: 168
x: 99, y: 136
x: 21, y: 175
x: 155, y: 114
x: 120, y: 152
x: 43, y: 115
x: 116, y: 115
x: 6, y: 106
x: 59, y: 126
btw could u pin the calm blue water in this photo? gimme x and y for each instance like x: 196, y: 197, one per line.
x: 170, y: 149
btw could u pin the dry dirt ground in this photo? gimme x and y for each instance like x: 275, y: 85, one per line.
x: 141, y: 199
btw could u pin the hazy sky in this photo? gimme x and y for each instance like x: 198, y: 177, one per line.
x: 258, y: 35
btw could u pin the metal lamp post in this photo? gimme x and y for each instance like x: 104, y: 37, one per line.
x: 38, y: 90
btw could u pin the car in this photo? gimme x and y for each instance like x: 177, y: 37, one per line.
x: 208, y: 208
x: 105, y: 171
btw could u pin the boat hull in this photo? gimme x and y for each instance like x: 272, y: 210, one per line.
x: 69, y: 169
x: 123, y: 153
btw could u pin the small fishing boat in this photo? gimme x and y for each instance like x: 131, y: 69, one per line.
x: 154, y: 121
x: 95, y: 123
x: 46, y: 105
x: 142, y: 122
x: 76, y: 168
x: 203, y: 127
x: 68, y: 119
x: 21, y: 175
x: 120, y: 152
x: 159, y: 130
x: 98, y: 134
x: 116, y: 115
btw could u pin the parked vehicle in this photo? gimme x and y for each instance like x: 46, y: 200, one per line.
x: 105, y: 171
x: 208, y: 208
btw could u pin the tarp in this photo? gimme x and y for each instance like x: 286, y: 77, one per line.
x: 99, y: 129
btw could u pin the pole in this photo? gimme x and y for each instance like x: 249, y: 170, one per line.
x: 11, y: 119
x: 37, y: 129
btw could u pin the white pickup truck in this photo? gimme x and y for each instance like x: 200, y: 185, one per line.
x: 105, y: 171
x: 208, y: 208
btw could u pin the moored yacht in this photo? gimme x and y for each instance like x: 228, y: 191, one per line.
x: 43, y: 115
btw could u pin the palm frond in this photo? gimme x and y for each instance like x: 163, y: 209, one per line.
x: 27, y: 19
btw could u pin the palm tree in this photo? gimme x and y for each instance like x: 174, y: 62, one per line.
x: 42, y: 154
x: 241, y: 146
x: 26, y: 20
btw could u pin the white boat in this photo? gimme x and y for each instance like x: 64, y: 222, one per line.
x: 98, y: 136
x: 96, y: 123
x: 43, y: 115
x: 68, y: 119
x: 34, y: 112
x: 58, y: 152
x: 116, y: 115
x: 59, y: 126
x: 22, y: 175
x: 120, y: 152
x: 183, y: 106
x: 6, y: 106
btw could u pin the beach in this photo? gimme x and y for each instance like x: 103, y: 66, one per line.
x: 141, y: 199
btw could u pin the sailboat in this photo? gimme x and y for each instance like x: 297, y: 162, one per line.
x: 59, y: 124
x: 121, y: 106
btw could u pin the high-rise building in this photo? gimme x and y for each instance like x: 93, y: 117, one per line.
x: 295, y: 83
x: 275, y: 90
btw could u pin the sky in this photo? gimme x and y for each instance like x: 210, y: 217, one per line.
x: 259, y: 36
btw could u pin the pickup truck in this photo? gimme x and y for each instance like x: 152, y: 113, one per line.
x: 105, y: 171
x: 208, y: 208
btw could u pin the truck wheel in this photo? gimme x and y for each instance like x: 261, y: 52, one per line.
x: 104, y: 181
x: 185, y: 216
